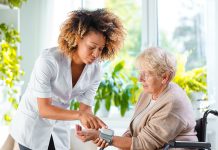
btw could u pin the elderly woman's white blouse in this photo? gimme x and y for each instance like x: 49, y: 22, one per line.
x: 51, y: 78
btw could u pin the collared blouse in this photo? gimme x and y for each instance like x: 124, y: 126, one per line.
x: 51, y: 78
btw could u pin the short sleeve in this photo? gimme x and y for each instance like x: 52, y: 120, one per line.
x: 88, y: 96
x: 44, y: 72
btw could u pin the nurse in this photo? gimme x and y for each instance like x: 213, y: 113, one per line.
x: 70, y: 71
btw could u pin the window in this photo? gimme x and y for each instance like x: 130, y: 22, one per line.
x: 181, y: 29
x: 130, y: 13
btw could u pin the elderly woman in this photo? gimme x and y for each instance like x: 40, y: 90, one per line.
x: 163, y: 111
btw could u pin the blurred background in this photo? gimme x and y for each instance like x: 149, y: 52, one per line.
x: 186, y: 28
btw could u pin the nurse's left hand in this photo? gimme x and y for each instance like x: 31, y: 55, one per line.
x: 86, y: 135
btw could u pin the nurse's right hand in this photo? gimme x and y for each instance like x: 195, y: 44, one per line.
x: 90, y: 121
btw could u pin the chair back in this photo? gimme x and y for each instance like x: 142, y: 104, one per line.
x: 201, y: 125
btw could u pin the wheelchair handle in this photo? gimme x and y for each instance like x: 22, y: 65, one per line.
x: 214, y: 112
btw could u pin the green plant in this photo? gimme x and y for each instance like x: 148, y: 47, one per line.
x: 117, y: 88
x: 194, y: 80
x: 74, y: 105
x: 10, y: 71
x: 13, y: 3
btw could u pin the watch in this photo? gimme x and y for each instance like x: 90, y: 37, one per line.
x: 106, y: 134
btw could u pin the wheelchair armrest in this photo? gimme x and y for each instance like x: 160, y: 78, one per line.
x: 187, y: 144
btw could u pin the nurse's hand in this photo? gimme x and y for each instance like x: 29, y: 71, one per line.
x: 90, y: 121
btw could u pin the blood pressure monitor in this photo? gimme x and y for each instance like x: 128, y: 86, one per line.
x: 107, y: 134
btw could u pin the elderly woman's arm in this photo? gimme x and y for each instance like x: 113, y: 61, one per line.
x: 122, y: 142
x: 90, y: 134
x: 158, y: 131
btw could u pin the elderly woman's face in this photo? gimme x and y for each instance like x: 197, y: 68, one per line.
x: 151, y: 82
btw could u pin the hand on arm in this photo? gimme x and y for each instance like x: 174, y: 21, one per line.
x: 47, y: 110
x: 85, y: 108
x: 88, y: 122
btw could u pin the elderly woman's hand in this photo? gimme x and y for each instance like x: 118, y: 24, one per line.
x: 86, y: 135
x: 100, y: 142
x: 90, y: 134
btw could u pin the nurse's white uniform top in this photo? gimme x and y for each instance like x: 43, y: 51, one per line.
x: 51, y: 78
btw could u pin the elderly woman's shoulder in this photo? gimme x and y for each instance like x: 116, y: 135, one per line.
x: 177, y: 94
x: 176, y: 88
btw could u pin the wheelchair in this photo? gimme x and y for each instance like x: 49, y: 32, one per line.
x: 201, y: 126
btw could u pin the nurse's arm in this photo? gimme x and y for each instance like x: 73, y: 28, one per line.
x: 85, y: 108
x: 47, y: 110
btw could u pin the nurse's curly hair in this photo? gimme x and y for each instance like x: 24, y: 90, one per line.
x: 80, y: 22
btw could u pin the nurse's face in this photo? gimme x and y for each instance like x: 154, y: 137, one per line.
x: 90, y: 47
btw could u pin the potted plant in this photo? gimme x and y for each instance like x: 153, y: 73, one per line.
x: 10, y: 71
x: 117, y: 88
x: 13, y: 3
x: 191, y: 81
x: 194, y: 82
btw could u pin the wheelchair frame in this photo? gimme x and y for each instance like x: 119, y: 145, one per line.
x: 201, y: 126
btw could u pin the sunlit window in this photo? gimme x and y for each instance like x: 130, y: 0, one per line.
x: 130, y: 13
x: 181, y: 29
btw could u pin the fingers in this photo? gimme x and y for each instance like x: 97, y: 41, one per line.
x: 96, y: 140
x: 106, y: 144
x: 86, y: 125
x: 98, y: 123
x: 91, y: 124
x: 94, y: 122
x: 100, y: 142
x: 91, y: 121
x: 103, y: 143
x: 80, y: 133
x: 101, y: 123
x: 80, y: 137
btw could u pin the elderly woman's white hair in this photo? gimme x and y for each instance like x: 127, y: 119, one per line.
x: 156, y: 60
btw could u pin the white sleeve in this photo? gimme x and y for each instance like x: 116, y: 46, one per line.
x: 44, y: 72
x: 89, y: 96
